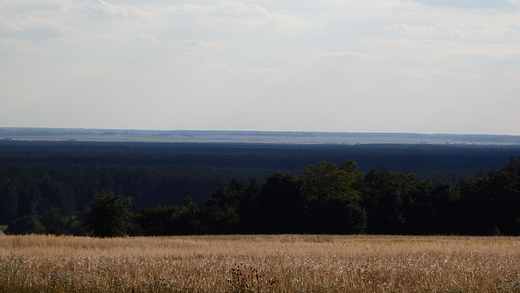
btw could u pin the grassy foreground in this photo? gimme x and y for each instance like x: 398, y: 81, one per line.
x: 285, y: 263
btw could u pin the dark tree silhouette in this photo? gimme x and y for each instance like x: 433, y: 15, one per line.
x: 109, y: 215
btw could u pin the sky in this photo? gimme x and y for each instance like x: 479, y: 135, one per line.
x: 414, y: 66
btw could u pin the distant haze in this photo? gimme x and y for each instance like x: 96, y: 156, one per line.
x: 424, y: 66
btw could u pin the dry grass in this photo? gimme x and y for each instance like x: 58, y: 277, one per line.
x: 286, y: 263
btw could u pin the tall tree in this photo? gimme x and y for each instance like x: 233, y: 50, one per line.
x: 219, y: 214
x: 332, y: 201
x: 388, y: 198
x: 109, y: 215
x: 280, y: 204
x: 492, y: 204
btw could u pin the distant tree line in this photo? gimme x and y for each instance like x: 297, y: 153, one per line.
x: 50, y: 187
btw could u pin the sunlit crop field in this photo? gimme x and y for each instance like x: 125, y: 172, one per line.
x: 286, y: 263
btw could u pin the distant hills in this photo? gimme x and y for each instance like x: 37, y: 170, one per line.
x: 283, y: 137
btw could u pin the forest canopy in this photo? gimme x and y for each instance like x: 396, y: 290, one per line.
x: 51, y: 187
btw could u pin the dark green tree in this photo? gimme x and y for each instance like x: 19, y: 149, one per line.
x: 109, y: 215
x: 219, y: 214
x: 490, y: 205
x: 388, y: 197
x: 156, y: 221
x: 184, y: 218
x: 26, y: 225
x: 279, y: 205
x: 57, y: 224
x: 332, y: 199
x: 444, y: 199
x: 248, y: 209
x: 168, y: 220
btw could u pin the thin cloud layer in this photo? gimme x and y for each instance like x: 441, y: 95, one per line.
x: 325, y: 65
x: 473, y: 4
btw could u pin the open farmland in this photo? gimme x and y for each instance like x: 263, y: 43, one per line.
x: 286, y: 263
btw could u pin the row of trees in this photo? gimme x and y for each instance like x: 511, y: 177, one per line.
x: 328, y: 198
x: 68, y: 189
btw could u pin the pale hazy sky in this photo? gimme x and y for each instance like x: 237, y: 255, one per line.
x: 427, y: 66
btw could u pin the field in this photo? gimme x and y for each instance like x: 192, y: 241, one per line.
x: 286, y: 263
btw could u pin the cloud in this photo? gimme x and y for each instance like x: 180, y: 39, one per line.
x: 101, y: 7
x: 473, y: 4
x: 435, y: 73
x: 236, y: 15
x: 339, y: 56
x: 33, y: 27
x: 336, y: 1
x: 106, y: 38
x: 444, y: 48
x: 143, y: 39
x: 4, y: 51
x: 455, y: 29
x: 197, y: 42
x: 496, y: 51
x: 197, y: 57
x: 408, y: 29
x: 27, y: 6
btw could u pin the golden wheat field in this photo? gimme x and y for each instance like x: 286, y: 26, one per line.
x: 284, y: 263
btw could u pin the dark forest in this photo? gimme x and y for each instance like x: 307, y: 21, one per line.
x: 226, y: 188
